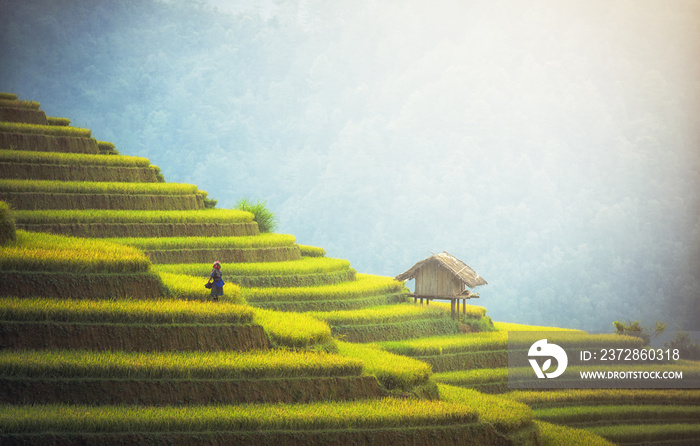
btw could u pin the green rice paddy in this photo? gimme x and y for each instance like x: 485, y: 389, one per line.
x: 123, y: 311
x: 15, y: 127
x: 365, y: 285
x: 393, y: 371
x: 96, y: 188
x: 45, y: 252
x: 174, y: 365
x: 192, y: 288
x: 170, y: 243
x: 21, y: 156
x: 132, y: 216
x: 293, y: 330
x: 375, y: 413
x: 306, y: 265
x: 380, y: 314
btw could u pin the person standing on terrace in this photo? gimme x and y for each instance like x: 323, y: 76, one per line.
x: 217, y: 281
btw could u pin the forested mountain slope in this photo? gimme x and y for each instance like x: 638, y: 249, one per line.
x: 553, y: 145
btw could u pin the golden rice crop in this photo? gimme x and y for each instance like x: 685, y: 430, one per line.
x: 10, y: 101
x: 16, y: 127
x: 174, y: 365
x: 380, y: 314
x: 438, y: 345
x: 129, y: 216
x: 606, y: 396
x: 97, y: 187
x: 649, y: 433
x: 498, y: 340
x: 365, y: 285
x: 509, y: 326
x: 45, y: 252
x: 57, y: 121
x: 374, y: 413
x: 500, y: 412
x: 242, y: 242
x: 553, y: 435
x: 192, y: 288
x: 470, y: 311
x: 578, y: 339
x: 21, y: 156
x: 474, y: 377
x: 293, y: 330
x: 306, y: 265
x: 160, y: 311
x: 392, y: 371
x: 617, y: 414
x: 689, y: 369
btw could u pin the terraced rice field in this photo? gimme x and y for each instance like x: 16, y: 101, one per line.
x: 96, y: 188
x: 192, y: 288
x: 366, y: 290
x: 392, y: 371
x: 24, y: 157
x: 17, y: 127
x: 380, y: 323
x: 173, y: 243
x: 138, y: 224
x: 175, y: 365
x: 305, y: 265
x: 271, y: 362
x: 131, y: 311
x: 45, y: 252
x: 65, y: 216
x: 377, y: 413
x: 47, y: 194
x: 298, y: 331
x: 623, y: 416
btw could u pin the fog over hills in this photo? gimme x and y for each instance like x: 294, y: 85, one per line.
x: 554, y: 146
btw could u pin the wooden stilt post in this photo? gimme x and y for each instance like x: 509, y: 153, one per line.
x: 457, y: 302
x: 452, y: 307
x: 464, y: 307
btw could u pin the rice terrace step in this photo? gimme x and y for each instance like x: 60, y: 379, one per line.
x: 177, y: 378
x: 48, y: 194
x: 143, y: 223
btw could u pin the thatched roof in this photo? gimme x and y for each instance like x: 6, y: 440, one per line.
x: 459, y: 269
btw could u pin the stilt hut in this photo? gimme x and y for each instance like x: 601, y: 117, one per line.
x: 443, y: 276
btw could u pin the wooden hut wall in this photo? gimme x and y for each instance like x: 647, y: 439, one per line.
x: 434, y: 280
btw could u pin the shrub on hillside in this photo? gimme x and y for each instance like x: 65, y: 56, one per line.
x: 7, y: 224
x: 209, y: 203
x: 266, y: 219
x: 636, y: 329
x: 689, y: 347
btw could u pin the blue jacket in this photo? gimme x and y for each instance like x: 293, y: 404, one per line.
x: 216, y: 275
